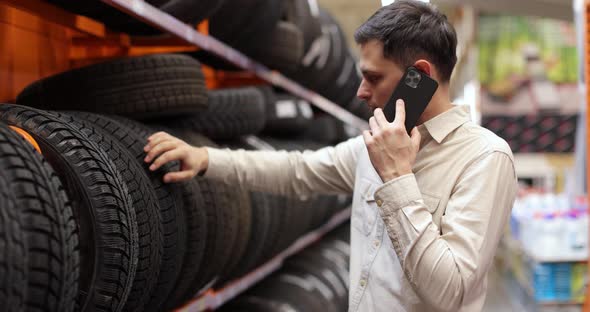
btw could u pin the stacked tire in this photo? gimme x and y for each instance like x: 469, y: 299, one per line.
x: 314, y: 280
x: 89, y: 227
x: 296, y: 37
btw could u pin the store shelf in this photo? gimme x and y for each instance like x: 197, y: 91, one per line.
x: 516, y: 246
x: 214, y: 299
x: 151, y: 15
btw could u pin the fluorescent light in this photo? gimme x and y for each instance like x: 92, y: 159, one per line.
x: 388, y: 2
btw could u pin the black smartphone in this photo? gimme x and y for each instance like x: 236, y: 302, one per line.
x: 416, y: 89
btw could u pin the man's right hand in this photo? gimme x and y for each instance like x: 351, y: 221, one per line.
x: 163, y: 148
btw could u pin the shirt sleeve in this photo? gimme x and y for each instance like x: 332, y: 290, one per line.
x: 330, y: 170
x: 444, y: 268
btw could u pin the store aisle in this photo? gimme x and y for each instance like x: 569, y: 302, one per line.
x: 504, y: 296
x: 499, y: 298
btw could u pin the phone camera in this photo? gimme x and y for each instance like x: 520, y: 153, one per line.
x: 413, y: 79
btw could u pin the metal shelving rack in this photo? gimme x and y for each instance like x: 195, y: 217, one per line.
x: 215, y: 299
x: 191, y: 36
x: 147, y: 13
x: 167, y: 23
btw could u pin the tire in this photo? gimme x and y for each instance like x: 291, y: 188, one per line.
x: 145, y: 205
x: 311, y: 263
x: 101, y: 206
x: 325, y: 129
x: 197, y: 226
x: 259, y: 234
x: 232, y: 113
x: 278, y: 289
x: 263, y: 220
x: 287, y: 116
x: 300, y: 13
x: 245, y: 24
x: 14, y: 254
x: 133, y: 136
x: 47, y: 222
x: 344, y: 88
x: 244, y: 213
x: 222, y: 223
x: 283, y: 50
x: 359, y: 108
x: 140, y: 87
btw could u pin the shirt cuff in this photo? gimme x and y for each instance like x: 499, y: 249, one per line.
x: 218, y: 167
x: 399, y: 192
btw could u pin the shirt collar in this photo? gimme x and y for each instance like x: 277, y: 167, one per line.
x: 442, y: 125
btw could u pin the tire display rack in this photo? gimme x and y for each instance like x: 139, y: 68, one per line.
x: 141, y: 10
x: 215, y: 299
x: 165, y: 22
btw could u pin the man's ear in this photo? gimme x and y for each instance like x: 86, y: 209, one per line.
x: 424, y: 66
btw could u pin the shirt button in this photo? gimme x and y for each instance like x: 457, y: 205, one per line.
x: 363, y: 283
x: 376, y: 243
x: 379, y: 202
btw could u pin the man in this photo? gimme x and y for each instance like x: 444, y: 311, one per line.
x: 428, y: 209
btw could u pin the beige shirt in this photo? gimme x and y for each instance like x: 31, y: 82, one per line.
x: 421, y: 242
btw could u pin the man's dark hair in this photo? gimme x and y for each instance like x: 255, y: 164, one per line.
x: 410, y: 30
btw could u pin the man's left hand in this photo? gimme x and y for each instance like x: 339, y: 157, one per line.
x: 391, y: 150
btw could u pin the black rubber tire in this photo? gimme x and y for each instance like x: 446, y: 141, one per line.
x: 197, y: 227
x: 14, y: 255
x: 42, y: 231
x: 359, y: 108
x: 232, y: 113
x: 256, y: 304
x: 140, y: 87
x: 278, y: 289
x: 145, y: 205
x: 299, y: 13
x: 243, y: 208
x: 325, y: 129
x: 287, y: 116
x: 265, y: 224
x: 283, y: 50
x: 50, y: 229
x: 133, y: 135
x: 245, y: 24
x: 311, y: 263
x: 259, y: 234
x: 100, y: 202
x: 222, y: 224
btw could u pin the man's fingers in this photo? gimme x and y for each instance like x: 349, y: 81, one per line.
x: 374, y: 126
x: 400, y: 112
x: 367, y: 136
x: 179, y: 176
x: 175, y: 154
x: 159, y: 149
x: 415, y: 136
x: 380, y: 118
x: 156, y: 138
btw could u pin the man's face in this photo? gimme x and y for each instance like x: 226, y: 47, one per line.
x: 380, y: 75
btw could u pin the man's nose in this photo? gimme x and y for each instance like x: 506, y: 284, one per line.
x: 363, y: 92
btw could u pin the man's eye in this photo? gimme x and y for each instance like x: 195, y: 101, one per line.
x: 372, y: 79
